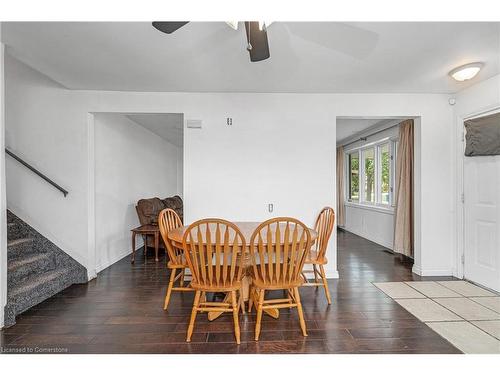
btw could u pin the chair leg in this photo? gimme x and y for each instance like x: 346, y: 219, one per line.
x: 305, y: 277
x: 299, y: 310
x: 290, y: 296
x: 250, y: 298
x: 259, y: 314
x: 325, y: 284
x: 236, y: 310
x: 194, y: 311
x: 315, y: 271
x: 169, y: 289
x: 181, y: 279
x: 241, y: 303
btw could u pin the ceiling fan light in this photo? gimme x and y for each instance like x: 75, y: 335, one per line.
x: 232, y: 24
x: 263, y: 25
x: 466, y: 72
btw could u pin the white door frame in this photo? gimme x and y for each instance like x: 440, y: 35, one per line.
x: 3, y: 199
x: 459, y: 204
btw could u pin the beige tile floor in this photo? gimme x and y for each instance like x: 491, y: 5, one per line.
x: 432, y: 289
x: 466, y: 289
x: 492, y: 327
x: 492, y: 303
x: 467, y: 337
x: 427, y: 310
x: 398, y: 290
x: 468, y: 309
x: 467, y: 315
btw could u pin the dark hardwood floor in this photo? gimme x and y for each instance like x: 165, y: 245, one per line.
x: 121, y: 312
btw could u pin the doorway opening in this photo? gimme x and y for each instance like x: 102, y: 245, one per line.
x: 137, y: 156
x: 377, y: 204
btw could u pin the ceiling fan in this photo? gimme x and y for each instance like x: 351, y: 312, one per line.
x: 256, y: 34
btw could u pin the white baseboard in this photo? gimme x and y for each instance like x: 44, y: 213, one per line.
x: 377, y: 241
x: 332, y: 274
x: 430, y: 272
x: 116, y: 258
x: 91, y: 274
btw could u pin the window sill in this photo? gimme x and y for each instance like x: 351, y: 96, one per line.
x: 386, y: 210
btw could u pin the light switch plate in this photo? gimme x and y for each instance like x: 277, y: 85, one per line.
x: 193, y: 124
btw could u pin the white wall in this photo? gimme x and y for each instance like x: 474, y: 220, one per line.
x: 180, y: 171
x: 280, y: 149
x: 373, y: 223
x: 131, y: 163
x: 3, y: 202
x: 475, y: 100
x: 246, y: 171
x: 45, y: 127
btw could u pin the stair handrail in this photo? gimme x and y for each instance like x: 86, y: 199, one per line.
x: 36, y: 171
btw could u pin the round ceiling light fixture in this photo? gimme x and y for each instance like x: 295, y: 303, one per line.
x: 466, y: 72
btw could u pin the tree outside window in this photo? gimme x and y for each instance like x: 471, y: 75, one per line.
x: 369, y: 163
x: 385, y: 170
x: 354, y: 177
x: 370, y: 173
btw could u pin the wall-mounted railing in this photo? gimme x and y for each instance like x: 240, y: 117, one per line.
x: 36, y: 171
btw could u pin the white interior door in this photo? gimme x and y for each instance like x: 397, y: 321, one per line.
x: 482, y: 220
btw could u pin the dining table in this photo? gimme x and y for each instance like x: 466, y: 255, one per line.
x: 247, y: 228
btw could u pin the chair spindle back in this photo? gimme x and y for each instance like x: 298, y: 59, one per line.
x: 278, y: 249
x: 168, y: 220
x: 213, y: 249
x: 324, y: 227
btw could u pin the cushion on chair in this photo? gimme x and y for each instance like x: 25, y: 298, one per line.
x: 149, y: 209
x: 176, y: 204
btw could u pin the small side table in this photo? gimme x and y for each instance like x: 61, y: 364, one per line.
x: 144, y: 231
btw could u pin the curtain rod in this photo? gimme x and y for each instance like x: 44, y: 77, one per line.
x: 370, y: 135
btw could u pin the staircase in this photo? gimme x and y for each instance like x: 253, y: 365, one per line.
x: 36, y: 268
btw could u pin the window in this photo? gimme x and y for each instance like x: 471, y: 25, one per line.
x: 354, y: 177
x: 370, y: 173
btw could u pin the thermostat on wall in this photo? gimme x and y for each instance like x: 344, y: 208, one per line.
x: 194, y: 124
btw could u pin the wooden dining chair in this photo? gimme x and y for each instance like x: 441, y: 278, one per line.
x: 278, y: 249
x: 168, y: 220
x: 317, y: 255
x: 213, y: 249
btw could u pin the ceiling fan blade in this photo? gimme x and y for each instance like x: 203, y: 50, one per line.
x: 257, y: 42
x: 168, y: 27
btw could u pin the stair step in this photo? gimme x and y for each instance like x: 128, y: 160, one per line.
x: 14, y: 231
x: 36, y: 268
x: 19, y: 247
x: 38, y: 288
x: 19, y: 269
x: 10, y: 217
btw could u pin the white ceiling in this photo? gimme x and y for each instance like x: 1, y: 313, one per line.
x: 168, y: 126
x: 349, y: 127
x: 211, y: 57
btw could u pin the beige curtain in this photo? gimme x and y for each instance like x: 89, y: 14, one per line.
x: 403, y: 228
x: 340, y: 187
